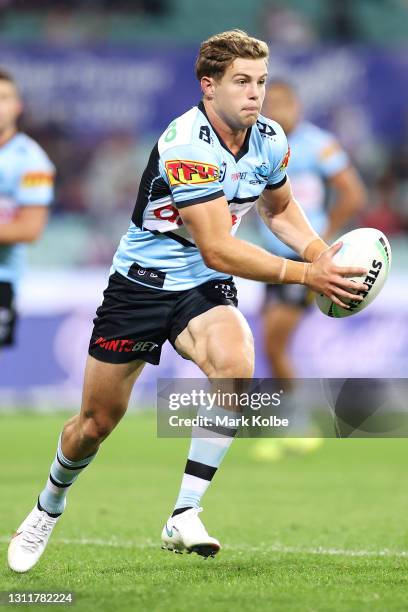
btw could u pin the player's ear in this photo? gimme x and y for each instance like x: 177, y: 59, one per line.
x: 207, y: 87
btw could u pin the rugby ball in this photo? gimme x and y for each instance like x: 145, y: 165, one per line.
x: 367, y: 248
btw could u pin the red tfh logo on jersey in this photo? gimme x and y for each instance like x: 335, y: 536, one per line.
x: 190, y: 172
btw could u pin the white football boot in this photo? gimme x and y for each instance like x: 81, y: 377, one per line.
x: 29, y: 542
x: 185, y: 531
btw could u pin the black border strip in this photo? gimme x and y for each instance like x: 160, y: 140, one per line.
x: 60, y: 484
x: 173, y: 236
x: 277, y: 185
x: 199, y: 470
x: 244, y: 200
x: 70, y: 467
x: 207, y: 198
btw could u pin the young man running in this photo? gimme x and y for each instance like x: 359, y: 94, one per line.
x: 172, y: 278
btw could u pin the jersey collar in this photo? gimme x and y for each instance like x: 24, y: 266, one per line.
x: 245, y: 145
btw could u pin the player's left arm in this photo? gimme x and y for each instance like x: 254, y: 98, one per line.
x: 26, y: 226
x: 350, y: 199
x: 286, y: 219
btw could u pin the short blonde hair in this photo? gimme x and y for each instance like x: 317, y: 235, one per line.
x: 219, y: 51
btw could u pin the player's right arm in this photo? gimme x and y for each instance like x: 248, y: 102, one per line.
x: 210, y: 223
x: 34, y: 193
x: 26, y: 226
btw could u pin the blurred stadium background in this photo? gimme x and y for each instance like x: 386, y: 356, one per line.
x: 101, y: 79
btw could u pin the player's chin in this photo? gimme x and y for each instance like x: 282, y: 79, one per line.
x: 249, y: 119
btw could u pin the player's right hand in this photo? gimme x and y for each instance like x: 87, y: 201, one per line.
x: 324, y: 276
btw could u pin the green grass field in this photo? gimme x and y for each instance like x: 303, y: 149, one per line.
x: 323, y: 532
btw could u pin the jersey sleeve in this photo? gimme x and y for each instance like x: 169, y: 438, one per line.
x: 279, y: 156
x: 331, y: 158
x: 193, y: 174
x: 36, y: 181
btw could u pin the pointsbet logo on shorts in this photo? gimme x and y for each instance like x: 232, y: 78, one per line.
x: 190, y: 172
x: 125, y: 346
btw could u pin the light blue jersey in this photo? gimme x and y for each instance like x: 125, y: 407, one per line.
x: 189, y: 165
x: 315, y: 156
x: 26, y: 179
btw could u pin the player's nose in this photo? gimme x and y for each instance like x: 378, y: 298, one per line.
x: 253, y: 91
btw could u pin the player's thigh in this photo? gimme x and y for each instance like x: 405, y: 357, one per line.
x: 107, y: 388
x: 220, y: 342
x: 279, y: 322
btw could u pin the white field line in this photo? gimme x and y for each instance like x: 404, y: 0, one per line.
x: 239, y: 548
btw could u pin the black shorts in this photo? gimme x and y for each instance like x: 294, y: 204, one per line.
x: 294, y: 295
x: 134, y: 321
x: 8, y: 315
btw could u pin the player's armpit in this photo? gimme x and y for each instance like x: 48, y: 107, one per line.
x: 26, y: 226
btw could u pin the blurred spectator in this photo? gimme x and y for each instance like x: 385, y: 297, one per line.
x: 110, y: 188
x: 64, y: 26
x: 151, y: 7
x: 400, y: 165
x: 383, y: 213
x: 341, y: 25
x: 282, y: 25
x: 129, y: 6
x: 112, y: 177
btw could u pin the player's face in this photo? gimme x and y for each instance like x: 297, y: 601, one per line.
x: 10, y: 105
x: 239, y: 94
x: 282, y: 105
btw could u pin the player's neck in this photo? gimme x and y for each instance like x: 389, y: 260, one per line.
x: 7, y: 134
x: 233, y: 139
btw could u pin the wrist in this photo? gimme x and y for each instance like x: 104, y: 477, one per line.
x: 315, y: 247
x: 294, y: 272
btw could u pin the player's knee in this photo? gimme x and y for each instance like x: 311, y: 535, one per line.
x: 238, y: 363
x: 98, y: 422
x: 96, y: 429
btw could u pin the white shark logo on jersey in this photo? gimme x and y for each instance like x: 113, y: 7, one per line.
x: 261, y: 174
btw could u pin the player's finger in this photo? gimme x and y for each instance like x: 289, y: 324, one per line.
x: 350, y: 271
x: 347, y: 294
x: 334, y: 248
x: 348, y: 284
x: 337, y: 301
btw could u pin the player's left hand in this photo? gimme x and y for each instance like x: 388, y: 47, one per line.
x: 324, y: 276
